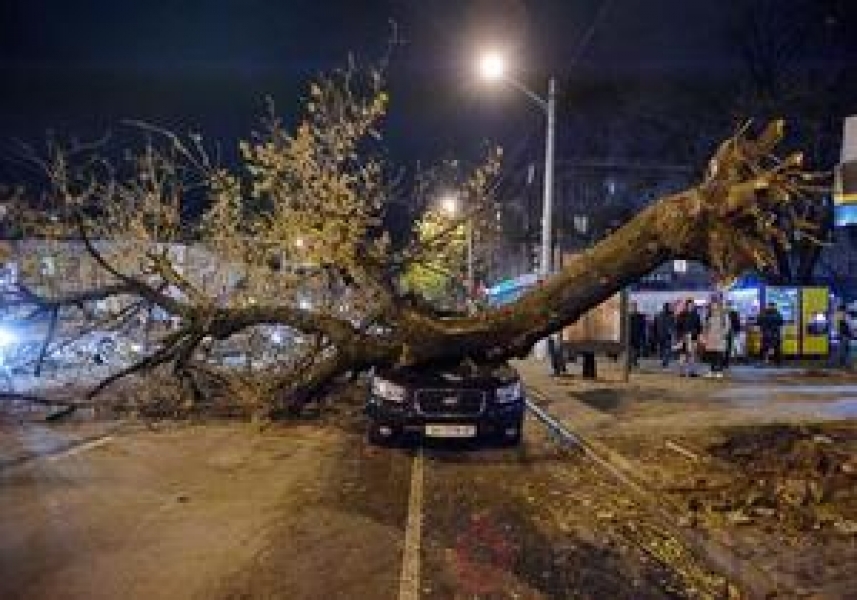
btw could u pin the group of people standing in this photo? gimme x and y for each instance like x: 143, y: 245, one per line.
x: 693, y: 335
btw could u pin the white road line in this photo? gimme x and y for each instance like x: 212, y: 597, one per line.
x: 409, y: 581
x: 81, y: 448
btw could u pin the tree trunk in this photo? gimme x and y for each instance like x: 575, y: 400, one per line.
x: 732, y: 220
x: 658, y: 233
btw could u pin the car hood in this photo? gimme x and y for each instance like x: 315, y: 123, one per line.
x: 471, y: 375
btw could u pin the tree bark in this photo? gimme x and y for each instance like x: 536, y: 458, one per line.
x: 656, y: 234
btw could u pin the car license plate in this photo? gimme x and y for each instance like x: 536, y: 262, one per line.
x: 451, y: 431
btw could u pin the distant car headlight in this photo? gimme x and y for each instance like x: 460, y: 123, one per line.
x: 388, y: 390
x: 509, y: 393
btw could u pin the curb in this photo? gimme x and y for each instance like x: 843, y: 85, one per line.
x: 718, y: 557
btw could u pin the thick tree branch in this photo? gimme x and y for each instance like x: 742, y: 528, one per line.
x: 728, y: 221
x: 164, y: 267
x: 739, y: 216
x: 136, y: 285
x: 167, y: 353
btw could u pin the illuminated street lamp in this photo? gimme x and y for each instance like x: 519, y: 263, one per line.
x: 493, y: 67
x: 449, y: 203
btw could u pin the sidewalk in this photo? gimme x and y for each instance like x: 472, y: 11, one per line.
x: 556, y: 398
x: 655, y: 399
x: 762, y: 463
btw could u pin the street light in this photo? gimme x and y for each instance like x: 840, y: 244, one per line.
x: 493, y: 67
x: 449, y: 203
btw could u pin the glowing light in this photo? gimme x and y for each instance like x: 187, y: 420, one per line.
x: 6, y: 338
x: 449, y: 203
x: 492, y: 66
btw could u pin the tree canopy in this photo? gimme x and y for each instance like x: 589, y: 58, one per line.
x: 295, y: 238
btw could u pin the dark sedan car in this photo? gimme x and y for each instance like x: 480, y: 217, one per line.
x: 461, y: 402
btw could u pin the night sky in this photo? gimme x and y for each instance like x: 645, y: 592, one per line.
x: 80, y: 67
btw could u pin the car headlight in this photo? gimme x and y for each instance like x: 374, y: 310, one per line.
x: 509, y: 393
x: 388, y: 390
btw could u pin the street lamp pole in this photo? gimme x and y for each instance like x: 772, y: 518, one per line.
x: 546, y: 265
x: 549, y: 106
x: 493, y: 67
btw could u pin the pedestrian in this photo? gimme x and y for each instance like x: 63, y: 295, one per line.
x: 664, y: 333
x: 556, y: 353
x: 648, y: 335
x: 688, y: 329
x: 844, y: 335
x: 636, y: 334
x: 734, y: 332
x: 771, y: 325
x: 716, y: 332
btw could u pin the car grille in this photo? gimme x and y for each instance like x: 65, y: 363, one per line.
x: 450, y: 402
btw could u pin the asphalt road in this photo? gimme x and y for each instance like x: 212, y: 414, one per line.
x: 307, y: 510
x: 310, y: 511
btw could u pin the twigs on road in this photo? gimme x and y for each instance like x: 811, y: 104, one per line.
x: 716, y: 556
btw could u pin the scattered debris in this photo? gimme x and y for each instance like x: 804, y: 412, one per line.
x: 739, y: 517
x: 681, y: 450
x: 688, y: 520
x: 845, y: 527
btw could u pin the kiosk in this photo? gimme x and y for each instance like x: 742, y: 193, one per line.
x: 805, y: 311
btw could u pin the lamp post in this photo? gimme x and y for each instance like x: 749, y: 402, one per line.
x: 449, y: 202
x: 492, y: 66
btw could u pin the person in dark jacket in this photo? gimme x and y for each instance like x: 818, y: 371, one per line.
x: 636, y: 334
x: 734, y: 330
x: 688, y: 327
x: 664, y: 333
x: 844, y: 335
x: 771, y: 326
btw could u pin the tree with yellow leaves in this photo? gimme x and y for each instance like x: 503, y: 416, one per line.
x: 296, y: 239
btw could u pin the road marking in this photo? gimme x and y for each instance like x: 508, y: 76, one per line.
x: 409, y: 581
x: 81, y: 448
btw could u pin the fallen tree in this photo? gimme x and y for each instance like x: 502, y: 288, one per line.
x: 305, y: 219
